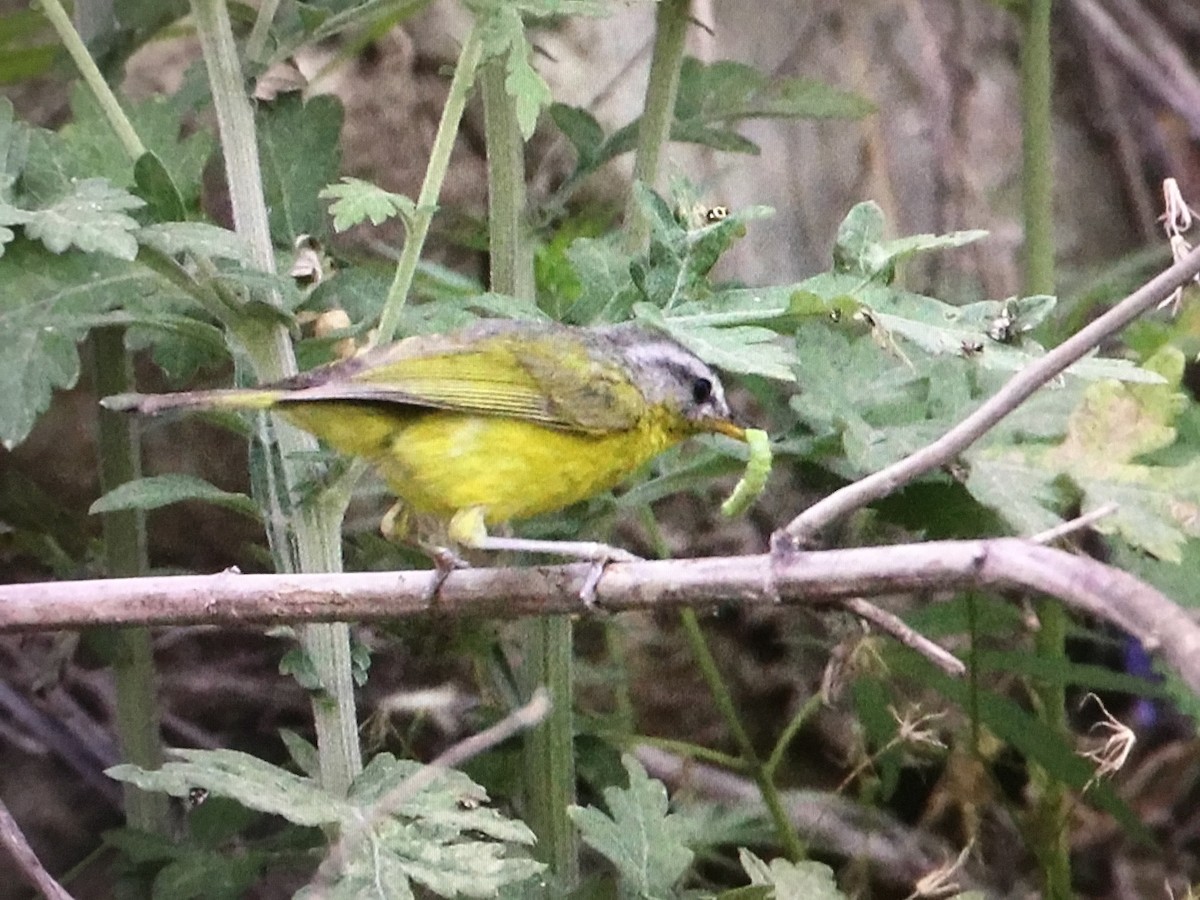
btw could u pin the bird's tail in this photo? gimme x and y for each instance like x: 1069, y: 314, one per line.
x: 153, y: 404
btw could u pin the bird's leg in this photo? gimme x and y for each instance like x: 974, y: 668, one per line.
x: 469, y: 529
x: 395, y: 528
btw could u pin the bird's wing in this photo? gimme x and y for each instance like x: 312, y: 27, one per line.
x: 557, y: 381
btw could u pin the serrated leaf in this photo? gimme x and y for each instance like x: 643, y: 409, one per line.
x: 606, y: 289
x: 638, y: 835
x: 356, y: 201
x: 792, y: 880
x: 861, y: 250
x: 162, y: 490
x: 989, y: 334
x: 48, y: 304
x: 298, y: 145
x: 1157, y: 506
x: 727, y: 90
x: 740, y: 349
x: 242, y: 777
x: 527, y: 87
x: 198, y: 238
x: 675, y: 269
x: 91, y: 218
x: 87, y: 147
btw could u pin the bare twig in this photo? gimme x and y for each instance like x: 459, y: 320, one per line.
x: 914, y: 640
x: 1061, y: 530
x: 806, y: 526
x: 814, y: 578
x: 518, y: 720
x: 27, y: 862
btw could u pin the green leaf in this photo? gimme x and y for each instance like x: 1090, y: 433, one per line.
x: 14, y: 148
x: 155, y: 186
x: 88, y: 147
x: 583, y: 131
x: 298, y: 144
x: 989, y: 334
x: 862, y: 251
x: 209, y: 875
x: 356, y: 201
x: 733, y: 91
x: 199, y: 239
x: 48, y: 304
x: 740, y: 349
x: 161, y: 490
x: 675, y: 269
x: 91, y: 217
x: 1116, y: 424
x: 638, y: 835
x: 302, y: 752
x: 251, y: 781
x: 807, y: 879
x: 606, y: 292
x: 437, y: 832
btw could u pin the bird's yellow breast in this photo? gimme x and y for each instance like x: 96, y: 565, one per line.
x: 440, y: 462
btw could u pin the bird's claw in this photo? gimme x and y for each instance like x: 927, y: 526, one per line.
x: 596, y: 571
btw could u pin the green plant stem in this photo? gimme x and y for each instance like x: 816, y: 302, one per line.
x: 546, y: 643
x: 670, y: 33
x: 1051, y: 837
x: 129, y: 649
x: 61, y: 22
x: 431, y: 187
x: 687, y: 750
x: 803, y: 714
x: 789, y: 838
x: 256, y: 43
x: 131, y: 654
x: 315, y: 528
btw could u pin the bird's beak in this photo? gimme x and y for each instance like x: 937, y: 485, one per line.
x: 727, y: 428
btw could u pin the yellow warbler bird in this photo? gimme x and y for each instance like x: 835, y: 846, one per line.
x: 499, y: 421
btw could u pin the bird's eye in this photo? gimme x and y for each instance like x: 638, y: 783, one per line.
x: 702, y: 390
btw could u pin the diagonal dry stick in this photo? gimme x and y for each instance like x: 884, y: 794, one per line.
x: 27, y: 862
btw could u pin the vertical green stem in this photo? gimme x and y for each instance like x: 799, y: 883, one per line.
x: 1051, y: 836
x: 546, y: 643
x: 316, y: 529
x: 129, y: 649
x: 125, y: 556
x: 671, y: 24
x: 61, y: 22
x: 431, y: 188
x: 785, y: 830
x: 256, y: 43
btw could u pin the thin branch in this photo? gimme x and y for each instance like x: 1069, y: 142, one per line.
x: 1063, y: 529
x: 27, y: 862
x: 813, y: 578
x: 914, y: 640
x: 806, y: 526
